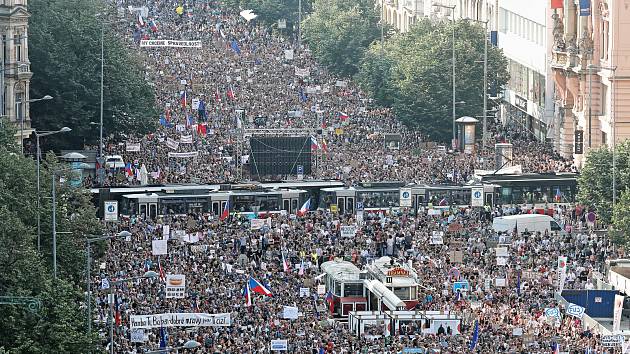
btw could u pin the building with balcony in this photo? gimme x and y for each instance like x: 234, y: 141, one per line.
x: 402, y: 14
x: 522, y: 29
x: 591, y: 71
x: 15, y: 67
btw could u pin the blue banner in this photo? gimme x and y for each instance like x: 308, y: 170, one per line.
x: 585, y: 7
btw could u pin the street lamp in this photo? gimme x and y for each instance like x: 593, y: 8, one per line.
x: 485, y: 80
x: 191, y: 344
x: 147, y: 275
x: 452, y: 8
x: 39, y: 157
x: 88, y: 241
x: 54, y: 212
x: 45, y: 98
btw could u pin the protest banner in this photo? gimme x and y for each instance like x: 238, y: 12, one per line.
x: 290, y: 312
x: 183, y: 154
x: 159, y: 247
x: 180, y: 320
x: 169, y: 43
x: 132, y: 147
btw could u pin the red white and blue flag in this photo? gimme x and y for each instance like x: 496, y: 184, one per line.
x: 314, y: 144
x: 226, y: 211
x: 342, y: 115
x: 153, y: 26
x: 247, y: 295
x: 305, y: 208
x: 184, y: 97
x: 330, y: 301
x: 230, y: 93
x: 140, y: 21
x: 257, y: 287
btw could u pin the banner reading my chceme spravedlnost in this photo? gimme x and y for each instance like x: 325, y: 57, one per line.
x: 180, y: 320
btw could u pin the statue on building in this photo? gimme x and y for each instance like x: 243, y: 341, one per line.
x: 558, y: 33
x: 586, y: 43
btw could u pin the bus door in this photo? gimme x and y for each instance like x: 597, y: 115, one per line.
x: 153, y: 210
x: 216, y: 207
x: 142, y: 209
x: 341, y: 205
x: 350, y: 205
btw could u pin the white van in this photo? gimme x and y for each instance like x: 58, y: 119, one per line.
x: 530, y: 222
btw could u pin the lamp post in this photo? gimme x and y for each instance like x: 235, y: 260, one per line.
x: 485, y: 81
x: 88, y: 242
x: 54, y: 215
x: 39, y: 157
x: 147, y: 275
x: 452, y: 8
x: 45, y: 98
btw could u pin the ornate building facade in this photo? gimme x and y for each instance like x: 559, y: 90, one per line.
x: 15, y: 66
x: 591, y: 71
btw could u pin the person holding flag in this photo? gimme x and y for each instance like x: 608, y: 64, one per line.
x: 305, y: 208
x: 475, y: 337
x: 226, y: 211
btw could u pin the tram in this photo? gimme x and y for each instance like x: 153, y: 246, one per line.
x: 382, y: 285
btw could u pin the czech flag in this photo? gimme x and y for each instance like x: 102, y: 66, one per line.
x: 285, y: 264
x: 330, y: 301
x: 230, y: 93
x: 153, y: 26
x: 305, y: 208
x: 558, y: 196
x: 301, y: 271
x: 184, y: 97
x: 247, y: 295
x: 257, y: 287
x: 128, y: 169
x: 226, y: 211
x: 314, y: 144
x: 217, y: 96
x: 343, y: 116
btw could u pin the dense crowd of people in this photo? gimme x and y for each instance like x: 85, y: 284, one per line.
x: 217, y: 257
x: 247, y: 76
x: 244, y: 76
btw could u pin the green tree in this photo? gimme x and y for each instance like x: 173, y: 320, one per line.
x: 413, y: 74
x: 595, y: 184
x: 621, y: 220
x: 59, y: 325
x: 339, y: 32
x: 64, y: 50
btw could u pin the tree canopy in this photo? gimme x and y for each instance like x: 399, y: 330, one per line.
x: 338, y: 33
x: 412, y: 73
x: 59, y: 325
x: 65, y: 55
x: 595, y: 181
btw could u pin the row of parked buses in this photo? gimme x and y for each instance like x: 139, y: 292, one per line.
x: 534, y: 191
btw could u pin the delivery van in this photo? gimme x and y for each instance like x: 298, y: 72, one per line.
x: 527, y: 222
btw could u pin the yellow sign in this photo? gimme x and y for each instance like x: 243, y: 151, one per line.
x: 179, y: 10
x: 338, y: 131
x: 333, y: 208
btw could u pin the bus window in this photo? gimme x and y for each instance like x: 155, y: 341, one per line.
x: 350, y: 205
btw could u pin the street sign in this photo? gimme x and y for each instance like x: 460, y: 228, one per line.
x: 359, y: 206
x: 111, y: 210
x: 476, y: 199
x: 405, y: 197
x: 300, y: 172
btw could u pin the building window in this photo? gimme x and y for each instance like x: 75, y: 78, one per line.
x: 604, y: 40
x: 604, y: 138
x: 604, y: 103
x: 19, y: 103
x: 18, y: 47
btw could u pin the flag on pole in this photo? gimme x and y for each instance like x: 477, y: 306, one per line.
x: 257, y: 287
x: 305, y: 208
x: 226, y: 211
x: 153, y: 26
x: 475, y: 337
x: 163, y: 337
x: 331, y: 302
x: 557, y: 4
x: 184, y: 98
x: 585, y: 7
x: 235, y: 47
x: 247, y: 295
x: 314, y: 144
x: 285, y: 264
x: 230, y: 93
x: 301, y: 271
